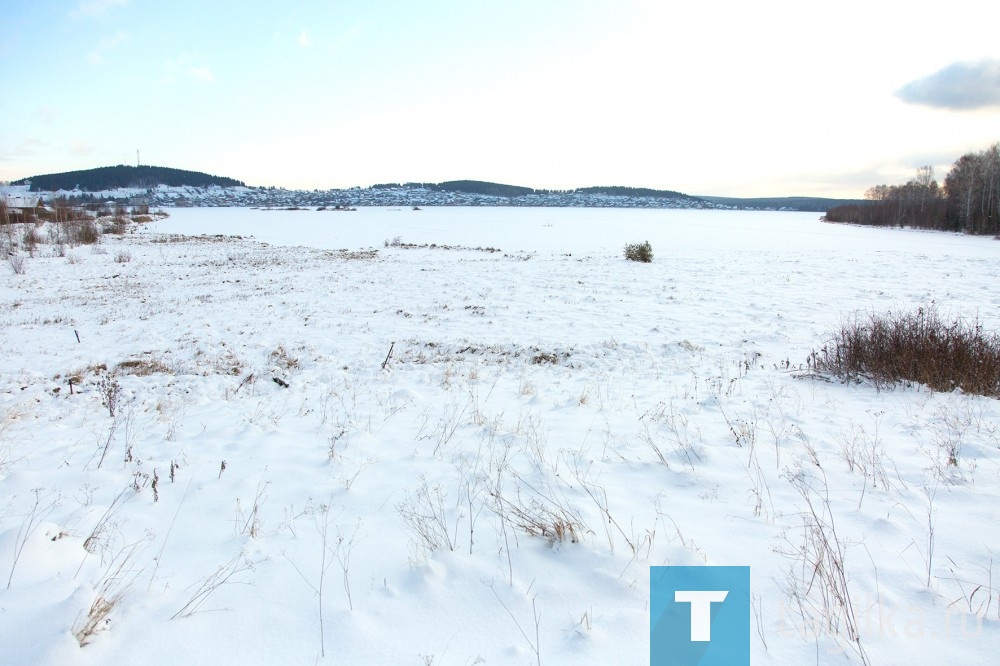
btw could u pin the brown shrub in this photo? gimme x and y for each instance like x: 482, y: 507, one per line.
x: 915, y: 347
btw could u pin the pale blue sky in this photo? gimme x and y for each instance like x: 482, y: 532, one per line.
x: 731, y: 98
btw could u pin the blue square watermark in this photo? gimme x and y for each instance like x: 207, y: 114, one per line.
x: 699, y: 616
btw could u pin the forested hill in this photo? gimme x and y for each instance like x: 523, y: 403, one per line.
x: 464, y: 186
x: 109, y: 178
x: 620, y: 191
x: 487, y: 189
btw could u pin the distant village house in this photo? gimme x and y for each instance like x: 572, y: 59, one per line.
x: 19, y: 203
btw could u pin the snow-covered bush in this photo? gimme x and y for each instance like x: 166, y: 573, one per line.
x: 639, y: 252
x: 16, y: 262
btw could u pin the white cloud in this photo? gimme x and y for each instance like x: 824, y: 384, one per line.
x: 304, y: 40
x: 47, y: 114
x: 32, y: 146
x: 353, y: 35
x: 99, y: 55
x: 959, y: 86
x: 81, y: 148
x: 185, y: 66
x: 203, y: 74
x: 97, y: 7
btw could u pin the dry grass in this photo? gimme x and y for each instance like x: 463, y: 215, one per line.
x: 538, y: 518
x: 358, y: 254
x: 542, y: 358
x: 118, y: 578
x: 547, y: 525
x: 227, y: 363
x: 283, y: 359
x: 914, y: 347
x: 142, y: 367
x: 98, y: 617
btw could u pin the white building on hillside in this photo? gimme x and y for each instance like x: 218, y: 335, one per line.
x: 20, y: 197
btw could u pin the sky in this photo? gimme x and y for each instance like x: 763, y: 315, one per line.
x: 769, y: 98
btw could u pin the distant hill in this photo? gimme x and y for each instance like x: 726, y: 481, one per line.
x: 466, y: 186
x: 486, y: 189
x: 804, y: 204
x: 619, y: 191
x: 109, y: 178
x: 501, y: 190
x: 146, y: 177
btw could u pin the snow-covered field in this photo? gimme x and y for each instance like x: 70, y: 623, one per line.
x: 243, y: 473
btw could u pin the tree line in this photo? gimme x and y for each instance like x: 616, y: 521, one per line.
x: 619, y: 191
x: 464, y: 186
x: 968, y: 202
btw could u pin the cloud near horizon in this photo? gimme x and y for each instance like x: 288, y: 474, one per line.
x: 81, y: 148
x: 961, y: 86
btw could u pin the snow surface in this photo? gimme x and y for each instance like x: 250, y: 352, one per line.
x: 662, y: 410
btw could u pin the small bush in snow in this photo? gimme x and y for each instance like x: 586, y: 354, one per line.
x: 31, y: 238
x: 639, y: 252
x: 123, y: 257
x: 111, y: 393
x: 84, y: 232
x: 16, y: 262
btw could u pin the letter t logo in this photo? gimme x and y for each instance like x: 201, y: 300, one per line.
x: 701, y: 610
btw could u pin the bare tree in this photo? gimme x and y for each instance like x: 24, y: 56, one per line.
x: 973, y: 192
